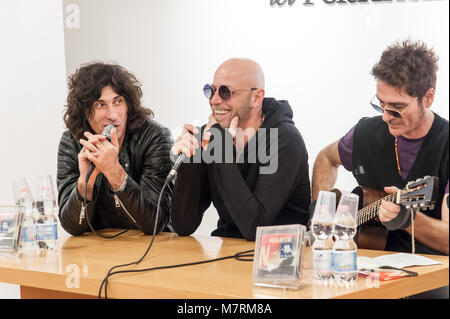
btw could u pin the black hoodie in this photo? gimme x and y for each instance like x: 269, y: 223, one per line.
x: 245, y: 197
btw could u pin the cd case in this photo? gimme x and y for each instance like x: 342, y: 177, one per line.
x: 10, y: 225
x: 278, y: 256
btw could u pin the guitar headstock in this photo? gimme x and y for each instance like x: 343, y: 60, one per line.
x: 420, y: 193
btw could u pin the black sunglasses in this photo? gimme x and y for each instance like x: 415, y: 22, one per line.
x: 224, y: 91
x: 376, y: 104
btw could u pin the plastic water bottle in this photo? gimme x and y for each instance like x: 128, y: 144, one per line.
x: 47, y: 232
x: 28, y: 239
x: 24, y: 198
x: 322, y: 250
x: 344, y: 249
x: 322, y: 226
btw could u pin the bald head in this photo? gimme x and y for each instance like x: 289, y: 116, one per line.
x: 241, y: 73
x: 241, y: 76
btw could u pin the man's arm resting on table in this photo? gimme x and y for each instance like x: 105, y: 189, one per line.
x: 325, y: 169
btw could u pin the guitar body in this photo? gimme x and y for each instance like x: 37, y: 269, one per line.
x: 371, y: 235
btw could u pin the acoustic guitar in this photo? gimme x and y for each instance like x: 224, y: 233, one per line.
x: 371, y: 234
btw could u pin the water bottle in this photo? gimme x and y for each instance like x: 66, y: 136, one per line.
x: 344, y: 249
x: 28, y: 239
x: 47, y: 232
x: 23, y: 197
x: 322, y: 248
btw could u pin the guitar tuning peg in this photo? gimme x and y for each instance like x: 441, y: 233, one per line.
x: 423, y: 206
x: 431, y: 206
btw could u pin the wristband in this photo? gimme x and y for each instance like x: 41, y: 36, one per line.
x: 403, y: 219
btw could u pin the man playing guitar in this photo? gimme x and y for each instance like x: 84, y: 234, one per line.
x: 407, y: 142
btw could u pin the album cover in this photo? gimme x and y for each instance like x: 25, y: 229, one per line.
x: 278, y: 255
x: 10, y: 225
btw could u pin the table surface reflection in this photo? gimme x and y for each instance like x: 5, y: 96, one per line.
x: 80, y: 263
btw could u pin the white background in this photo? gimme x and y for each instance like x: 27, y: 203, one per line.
x: 317, y: 57
x: 32, y: 95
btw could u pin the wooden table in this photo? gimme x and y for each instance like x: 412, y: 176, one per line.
x: 77, y: 268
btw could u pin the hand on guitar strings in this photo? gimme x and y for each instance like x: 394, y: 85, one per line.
x: 394, y: 216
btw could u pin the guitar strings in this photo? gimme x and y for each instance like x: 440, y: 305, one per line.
x: 370, y: 211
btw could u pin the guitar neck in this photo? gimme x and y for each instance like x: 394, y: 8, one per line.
x: 371, y: 211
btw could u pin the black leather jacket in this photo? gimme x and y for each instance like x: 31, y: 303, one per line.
x: 145, y: 156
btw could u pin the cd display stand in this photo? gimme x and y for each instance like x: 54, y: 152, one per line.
x: 10, y: 226
x: 278, y: 256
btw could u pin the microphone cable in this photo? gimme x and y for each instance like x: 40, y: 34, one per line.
x: 166, y: 182
x: 105, y: 280
x: 241, y: 256
x: 107, y: 133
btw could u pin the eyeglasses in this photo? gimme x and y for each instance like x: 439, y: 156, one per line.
x: 376, y: 104
x: 224, y: 91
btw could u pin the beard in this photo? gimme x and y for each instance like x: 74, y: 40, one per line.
x: 243, y: 111
x: 411, y: 122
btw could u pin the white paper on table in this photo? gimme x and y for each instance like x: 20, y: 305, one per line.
x: 398, y: 260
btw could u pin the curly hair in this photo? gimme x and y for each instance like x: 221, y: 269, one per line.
x: 409, y: 66
x: 85, y: 87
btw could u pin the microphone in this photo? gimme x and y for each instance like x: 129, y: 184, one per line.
x: 181, y: 157
x: 106, y: 132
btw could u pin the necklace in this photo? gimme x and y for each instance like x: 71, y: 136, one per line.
x: 396, y: 157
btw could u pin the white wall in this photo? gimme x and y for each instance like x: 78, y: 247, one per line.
x: 33, y: 90
x: 32, y: 94
x: 317, y: 57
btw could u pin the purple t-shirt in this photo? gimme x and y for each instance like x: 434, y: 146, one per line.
x: 407, y: 152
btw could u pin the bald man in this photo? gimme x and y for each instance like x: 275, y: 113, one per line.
x: 249, y: 160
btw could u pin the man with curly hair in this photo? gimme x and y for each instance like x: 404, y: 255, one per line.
x: 407, y: 142
x: 130, y: 169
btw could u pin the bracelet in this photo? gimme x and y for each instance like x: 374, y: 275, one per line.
x: 122, y: 187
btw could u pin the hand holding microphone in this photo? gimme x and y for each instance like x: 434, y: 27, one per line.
x: 186, y: 143
x: 185, y: 146
x: 99, y: 154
